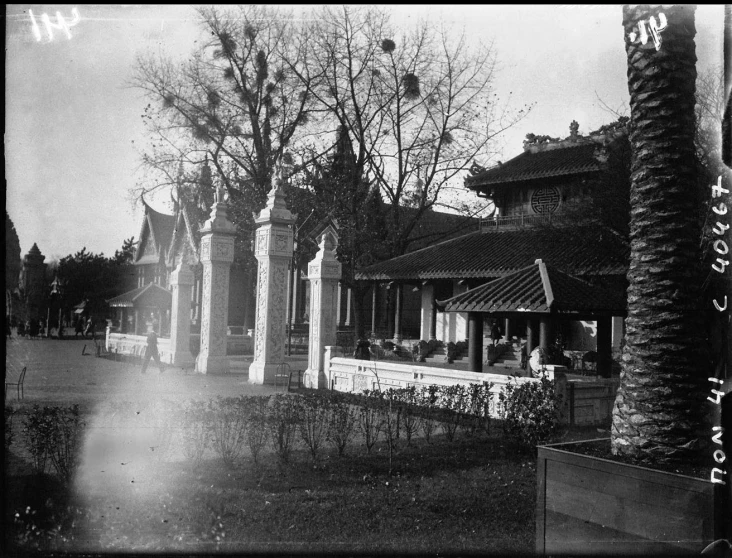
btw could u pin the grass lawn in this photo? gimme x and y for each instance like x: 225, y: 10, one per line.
x: 475, y: 494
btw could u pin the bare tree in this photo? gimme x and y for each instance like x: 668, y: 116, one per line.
x: 419, y: 107
x: 235, y: 100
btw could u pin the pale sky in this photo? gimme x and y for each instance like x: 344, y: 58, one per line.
x: 73, y: 129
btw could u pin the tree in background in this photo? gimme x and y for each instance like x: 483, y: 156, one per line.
x: 418, y: 106
x: 658, y: 412
x: 12, y: 267
x: 90, y: 277
x: 234, y: 104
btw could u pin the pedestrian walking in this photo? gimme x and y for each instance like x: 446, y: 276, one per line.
x: 79, y: 327
x: 151, y: 351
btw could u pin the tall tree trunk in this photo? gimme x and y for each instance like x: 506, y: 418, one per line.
x: 658, y: 413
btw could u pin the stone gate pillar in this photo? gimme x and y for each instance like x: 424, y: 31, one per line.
x: 273, y: 250
x: 217, y: 253
x: 324, y: 273
x: 180, y: 318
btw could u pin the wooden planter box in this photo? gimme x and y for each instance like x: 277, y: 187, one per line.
x: 588, y: 505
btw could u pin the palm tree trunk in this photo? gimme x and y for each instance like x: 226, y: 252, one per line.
x: 658, y: 413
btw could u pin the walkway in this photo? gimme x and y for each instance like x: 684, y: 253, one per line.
x: 58, y: 373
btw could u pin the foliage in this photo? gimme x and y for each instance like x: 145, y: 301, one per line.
x: 95, y: 278
x: 370, y: 421
x: 256, y: 432
x: 341, y: 425
x: 229, y: 425
x: 9, y: 415
x: 530, y: 411
x: 283, y: 421
x: 196, y: 418
x: 55, y: 434
x: 314, y: 421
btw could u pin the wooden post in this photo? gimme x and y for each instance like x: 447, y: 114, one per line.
x: 475, y: 341
x: 604, y: 346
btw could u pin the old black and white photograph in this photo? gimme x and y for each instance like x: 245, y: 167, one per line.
x: 368, y: 279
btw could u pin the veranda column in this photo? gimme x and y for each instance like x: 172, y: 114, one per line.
x: 604, y: 346
x: 475, y: 341
x: 374, y: 300
x: 273, y: 250
x: 324, y: 272
x: 532, y: 334
x: 545, y: 327
x: 180, y: 320
x: 398, y: 314
x: 217, y: 253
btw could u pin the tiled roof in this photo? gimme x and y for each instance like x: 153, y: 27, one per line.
x: 162, y: 226
x: 561, y: 161
x: 591, y: 250
x: 537, y: 288
x: 436, y: 226
x: 149, y: 295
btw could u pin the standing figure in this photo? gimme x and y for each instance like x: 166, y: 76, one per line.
x: 495, y: 332
x: 89, y: 329
x: 79, y: 327
x: 32, y: 328
x: 151, y: 351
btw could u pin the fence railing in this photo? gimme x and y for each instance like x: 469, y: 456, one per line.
x: 352, y: 375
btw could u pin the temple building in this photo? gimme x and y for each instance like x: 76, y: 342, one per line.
x: 562, y: 203
x: 165, y: 240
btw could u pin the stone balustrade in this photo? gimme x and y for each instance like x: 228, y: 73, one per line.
x: 352, y: 375
x: 134, y: 345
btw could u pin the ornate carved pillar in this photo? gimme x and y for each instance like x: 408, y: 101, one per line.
x: 324, y: 272
x: 273, y: 250
x: 217, y: 253
x: 398, y: 314
x: 180, y: 321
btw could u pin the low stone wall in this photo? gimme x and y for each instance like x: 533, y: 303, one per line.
x: 591, y: 402
x: 352, y: 375
x: 587, y: 401
x: 134, y: 345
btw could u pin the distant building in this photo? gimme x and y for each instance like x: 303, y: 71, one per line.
x: 552, y: 204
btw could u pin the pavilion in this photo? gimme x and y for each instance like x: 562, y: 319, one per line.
x: 543, y: 295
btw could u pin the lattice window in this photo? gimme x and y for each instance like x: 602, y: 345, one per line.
x: 545, y: 200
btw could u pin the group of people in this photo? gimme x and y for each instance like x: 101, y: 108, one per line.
x: 32, y: 329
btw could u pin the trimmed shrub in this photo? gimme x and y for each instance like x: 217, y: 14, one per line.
x: 256, y: 432
x: 530, y: 412
x: 341, y: 424
x: 228, y: 425
x: 55, y: 434
x: 370, y: 421
x: 9, y: 414
x: 314, y: 421
x: 283, y: 422
x: 196, y: 432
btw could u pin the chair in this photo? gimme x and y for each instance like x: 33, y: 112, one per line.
x: 18, y: 384
x: 283, y: 375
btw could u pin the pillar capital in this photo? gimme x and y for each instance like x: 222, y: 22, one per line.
x: 218, y: 221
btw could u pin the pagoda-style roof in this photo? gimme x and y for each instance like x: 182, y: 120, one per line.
x: 538, y: 288
x: 581, y: 251
x: 151, y: 295
x: 155, y: 236
x: 566, y: 159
